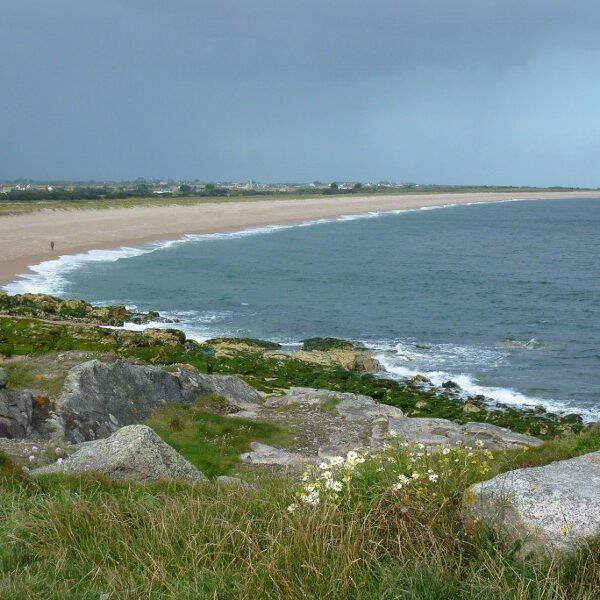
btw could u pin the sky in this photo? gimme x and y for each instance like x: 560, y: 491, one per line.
x: 495, y: 92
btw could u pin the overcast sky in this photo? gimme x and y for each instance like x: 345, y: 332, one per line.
x: 431, y: 91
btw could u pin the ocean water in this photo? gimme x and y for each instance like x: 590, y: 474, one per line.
x: 502, y: 298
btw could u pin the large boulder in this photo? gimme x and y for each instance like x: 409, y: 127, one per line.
x: 134, y: 453
x: 98, y: 397
x: 555, y: 507
x: 445, y: 433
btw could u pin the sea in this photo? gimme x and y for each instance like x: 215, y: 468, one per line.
x: 502, y: 298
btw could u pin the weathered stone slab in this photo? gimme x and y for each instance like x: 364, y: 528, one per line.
x: 263, y: 454
x: 347, y: 405
x: 436, y: 432
x: 553, y: 507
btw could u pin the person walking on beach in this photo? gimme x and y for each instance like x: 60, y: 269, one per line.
x: 51, y: 245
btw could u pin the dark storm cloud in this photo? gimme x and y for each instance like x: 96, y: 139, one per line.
x: 442, y: 91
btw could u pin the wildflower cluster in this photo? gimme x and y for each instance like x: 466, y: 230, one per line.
x: 36, y: 456
x: 427, y: 473
x: 325, y: 482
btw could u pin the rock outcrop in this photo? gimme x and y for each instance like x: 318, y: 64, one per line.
x: 442, y: 432
x: 555, y: 507
x: 100, y: 397
x: 350, y: 360
x: 16, y: 410
x: 16, y: 407
x: 328, y: 423
x: 134, y: 453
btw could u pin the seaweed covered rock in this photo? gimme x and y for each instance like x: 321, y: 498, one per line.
x: 348, y: 359
x: 44, y: 306
x: 555, y: 507
x: 134, y: 453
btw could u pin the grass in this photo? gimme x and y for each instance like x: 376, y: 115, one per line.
x: 79, y: 538
x: 209, y: 440
x: 23, y: 375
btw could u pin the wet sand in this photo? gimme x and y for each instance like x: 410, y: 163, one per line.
x: 25, y: 238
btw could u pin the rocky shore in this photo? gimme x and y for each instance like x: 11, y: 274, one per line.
x: 97, y: 390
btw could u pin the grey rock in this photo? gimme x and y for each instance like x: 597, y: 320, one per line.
x: 238, y: 394
x: 347, y: 405
x: 555, y: 507
x: 134, y: 453
x: 3, y: 378
x: 235, y: 482
x: 263, y: 454
x: 94, y: 391
x: 16, y: 409
x: 445, y: 433
x: 99, y: 397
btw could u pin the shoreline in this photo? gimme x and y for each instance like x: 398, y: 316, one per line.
x: 25, y: 238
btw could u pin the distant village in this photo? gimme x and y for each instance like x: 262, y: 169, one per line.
x: 142, y: 187
x: 30, y: 190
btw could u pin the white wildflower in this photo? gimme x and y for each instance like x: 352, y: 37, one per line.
x: 60, y: 461
x: 446, y: 451
x: 324, y: 466
x: 393, y: 433
x: 312, y: 498
x: 351, y: 456
x: 337, y: 460
x: 337, y: 486
x: 31, y: 458
x: 433, y: 477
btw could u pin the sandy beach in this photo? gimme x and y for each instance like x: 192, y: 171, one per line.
x: 25, y: 239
